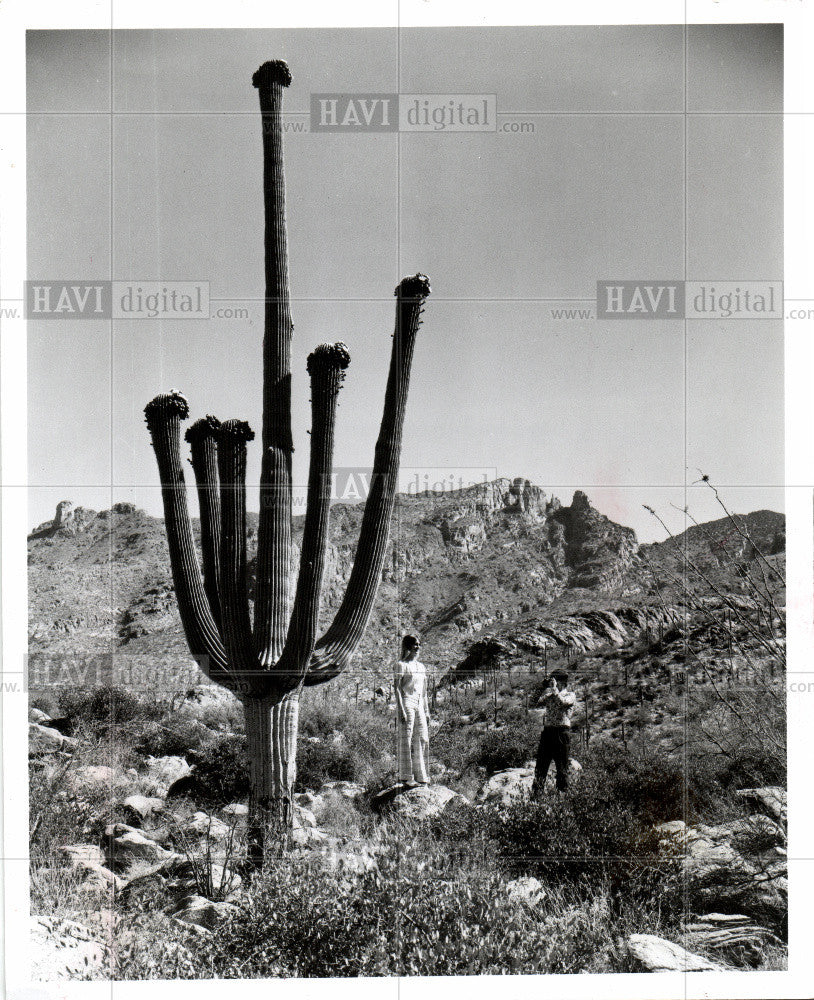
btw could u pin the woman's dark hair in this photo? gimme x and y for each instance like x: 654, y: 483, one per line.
x: 409, y: 642
x: 561, y: 677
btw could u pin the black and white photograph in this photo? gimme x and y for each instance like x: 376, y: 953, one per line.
x: 400, y: 426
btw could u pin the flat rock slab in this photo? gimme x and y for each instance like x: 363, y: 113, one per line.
x: 656, y: 954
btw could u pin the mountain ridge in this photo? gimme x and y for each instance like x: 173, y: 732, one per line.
x: 459, y: 563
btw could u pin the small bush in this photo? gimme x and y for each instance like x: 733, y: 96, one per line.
x: 451, y: 745
x: 600, y: 831
x: 321, y: 719
x: 321, y: 762
x: 505, y: 748
x: 302, y: 921
x: 107, y: 707
x: 176, y: 739
x: 222, y: 770
x: 651, y: 787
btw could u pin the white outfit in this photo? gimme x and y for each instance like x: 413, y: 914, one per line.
x: 413, y: 734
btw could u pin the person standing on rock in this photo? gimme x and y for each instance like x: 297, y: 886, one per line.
x: 555, y: 739
x: 412, y: 714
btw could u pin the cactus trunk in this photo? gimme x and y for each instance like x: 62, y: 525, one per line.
x: 271, y: 746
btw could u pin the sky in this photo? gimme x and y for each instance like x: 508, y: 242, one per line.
x: 647, y: 160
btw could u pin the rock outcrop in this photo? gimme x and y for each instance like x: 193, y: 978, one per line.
x: 461, y: 560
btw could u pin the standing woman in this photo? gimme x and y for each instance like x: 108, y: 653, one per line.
x: 412, y: 714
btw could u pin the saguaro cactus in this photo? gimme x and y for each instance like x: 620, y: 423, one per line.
x: 267, y: 662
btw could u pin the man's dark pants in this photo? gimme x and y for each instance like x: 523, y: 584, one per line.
x: 555, y: 744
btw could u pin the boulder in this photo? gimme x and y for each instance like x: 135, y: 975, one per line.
x: 420, y: 802
x: 771, y: 800
x: 347, y: 789
x: 186, y: 876
x: 143, y: 806
x: 162, y: 772
x: 83, y: 854
x: 306, y: 836
x: 672, y: 828
x: 308, y: 800
x: 237, y: 809
x: 209, y: 826
x: 303, y: 817
x: 704, y: 853
x: 656, y: 954
x: 525, y: 890
x: 90, y: 779
x: 90, y: 861
x: 64, y: 949
x: 38, y: 716
x: 507, y: 787
x: 44, y: 740
x: 126, y: 844
x: 200, y: 911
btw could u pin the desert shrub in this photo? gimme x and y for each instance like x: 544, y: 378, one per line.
x: 170, y: 737
x: 222, y: 770
x: 55, y: 817
x: 151, y: 946
x: 225, y: 716
x: 650, y: 786
x: 511, y: 746
x: 321, y: 762
x: 451, y: 745
x: 357, y: 755
x: 107, y: 707
x: 593, y: 835
x: 321, y: 719
x: 340, y: 816
x: 306, y: 922
x: 735, y: 741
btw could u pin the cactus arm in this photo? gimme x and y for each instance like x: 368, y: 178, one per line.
x: 234, y: 596
x: 326, y: 366
x: 204, y: 450
x: 274, y: 529
x: 164, y: 415
x: 334, y: 649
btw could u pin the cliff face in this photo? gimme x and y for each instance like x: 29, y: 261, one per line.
x: 459, y: 562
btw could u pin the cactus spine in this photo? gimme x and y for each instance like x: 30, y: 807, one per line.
x: 267, y: 662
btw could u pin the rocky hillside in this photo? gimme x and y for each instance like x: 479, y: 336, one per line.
x: 498, y: 557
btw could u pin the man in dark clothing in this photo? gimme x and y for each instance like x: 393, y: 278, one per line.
x: 555, y: 739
